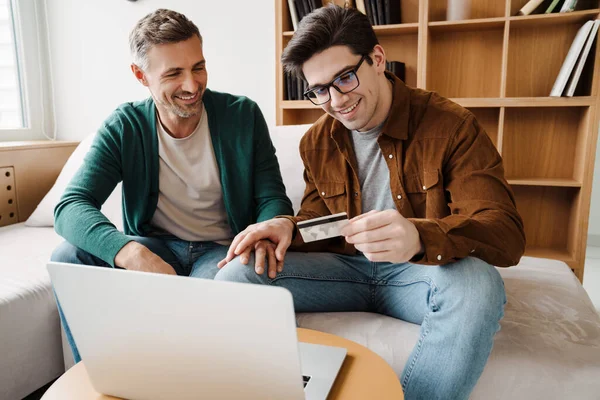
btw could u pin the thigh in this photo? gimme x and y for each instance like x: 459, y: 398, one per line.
x: 409, y: 291
x: 206, y: 260
x: 68, y: 253
x: 319, y: 282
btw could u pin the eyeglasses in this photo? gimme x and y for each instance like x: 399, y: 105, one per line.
x: 344, y: 83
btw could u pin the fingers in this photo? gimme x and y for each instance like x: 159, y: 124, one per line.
x: 370, y: 236
x: 361, y: 216
x: 370, y: 221
x: 374, y: 247
x: 272, y: 261
x: 245, y: 256
x: 248, y: 240
x: 347, y: 228
x: 259, y: 258
x: 282, y: 249
x: 231, y: 251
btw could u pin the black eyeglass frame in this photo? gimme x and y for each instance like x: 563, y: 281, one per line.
x: 331, y: 84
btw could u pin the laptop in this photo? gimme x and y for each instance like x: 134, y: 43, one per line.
x: 151, y: 336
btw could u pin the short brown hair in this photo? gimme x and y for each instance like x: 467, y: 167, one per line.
x: 159, y: 27
x: 327, y: 27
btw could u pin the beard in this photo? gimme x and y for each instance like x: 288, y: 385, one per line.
x: 186, y: 111
x: 181, y: 110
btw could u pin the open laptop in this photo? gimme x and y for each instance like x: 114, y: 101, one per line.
x: 151, y: 336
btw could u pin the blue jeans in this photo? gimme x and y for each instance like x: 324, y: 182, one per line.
x: 195, y: 259
x: 458, y: 306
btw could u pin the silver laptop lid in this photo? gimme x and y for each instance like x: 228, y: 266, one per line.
x: 150, y: 336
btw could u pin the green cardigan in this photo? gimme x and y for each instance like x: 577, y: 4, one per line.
x: 126, y: 149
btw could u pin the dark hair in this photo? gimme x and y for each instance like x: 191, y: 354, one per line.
x: 327, y: 27
x: 159, y: 27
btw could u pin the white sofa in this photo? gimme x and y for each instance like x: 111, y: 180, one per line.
x: 548, y: 347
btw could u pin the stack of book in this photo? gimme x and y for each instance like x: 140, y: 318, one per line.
x: 570, y: 71
x: 301, y: 8
x: 380, y: 12
x: 294, y: 88
x: 397, y: 68
x: 547, y: 7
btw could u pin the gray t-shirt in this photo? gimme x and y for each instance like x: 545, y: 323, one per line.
x: 373, y: 172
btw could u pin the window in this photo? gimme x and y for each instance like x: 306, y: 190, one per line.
x: 11, y: 108
x: 25, y: 96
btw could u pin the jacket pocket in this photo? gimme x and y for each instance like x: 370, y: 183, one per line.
x: 416, y: 184
x: 333, y: 194
x: 423, y: 191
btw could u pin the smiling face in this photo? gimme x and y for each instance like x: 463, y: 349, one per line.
x: 176, y: 77
x: 364, y: 107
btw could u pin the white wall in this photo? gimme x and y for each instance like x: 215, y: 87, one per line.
x: 90, y: 54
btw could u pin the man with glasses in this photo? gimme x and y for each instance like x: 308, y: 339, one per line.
x: 430, y: 209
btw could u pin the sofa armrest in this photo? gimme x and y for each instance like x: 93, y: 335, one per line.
x: 27, y: 172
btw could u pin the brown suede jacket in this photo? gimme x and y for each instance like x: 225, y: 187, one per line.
x: 446, y: 177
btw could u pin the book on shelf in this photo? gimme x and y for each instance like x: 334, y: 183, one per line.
x: 392, y: 12
x: 288, y: 87
x: 372, y: 4
x: 582, y: 59
x: 574, y: 51
x: 553, y: 6
x: 380, y: 12
x: 299, y: 88
x: 568, y: 6
x: 529, y: 7
x: 397, y: 68
x: 360, y: 6
x: 307, y: 7
x: 293, y: 14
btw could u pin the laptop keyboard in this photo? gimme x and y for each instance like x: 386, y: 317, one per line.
x: 305, y: 379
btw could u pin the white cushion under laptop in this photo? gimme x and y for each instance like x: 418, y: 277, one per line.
x: 151, y: 336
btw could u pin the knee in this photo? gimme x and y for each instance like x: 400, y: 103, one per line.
x: 479, y: 288
x: 235, y: 271
x: 66, y: 253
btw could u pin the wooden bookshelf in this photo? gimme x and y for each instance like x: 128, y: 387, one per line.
x: 502, y: 67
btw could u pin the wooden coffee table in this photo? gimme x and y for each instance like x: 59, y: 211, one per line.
x: 364, y: 375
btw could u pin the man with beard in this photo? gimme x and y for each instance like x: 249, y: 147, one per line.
x: 197, y: 168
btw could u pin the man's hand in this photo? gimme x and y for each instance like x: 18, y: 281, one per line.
x: 263, y: 250
x: 137, y: 257
x: 278, y: 231
x: 384, y: 236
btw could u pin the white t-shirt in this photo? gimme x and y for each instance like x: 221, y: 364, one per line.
x: 190, y: 200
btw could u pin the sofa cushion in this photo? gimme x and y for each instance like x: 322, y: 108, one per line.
x: 43, y: 215
x: 286, y: 140
x: 548, y: 346
x: 30, y: 346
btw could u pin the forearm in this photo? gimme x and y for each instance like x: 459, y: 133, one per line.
x: 84, y: 226
x: 495, y: 236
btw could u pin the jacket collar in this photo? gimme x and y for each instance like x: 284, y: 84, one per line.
x: 398, y: 118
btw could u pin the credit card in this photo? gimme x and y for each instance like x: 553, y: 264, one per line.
x: 323, y: 227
